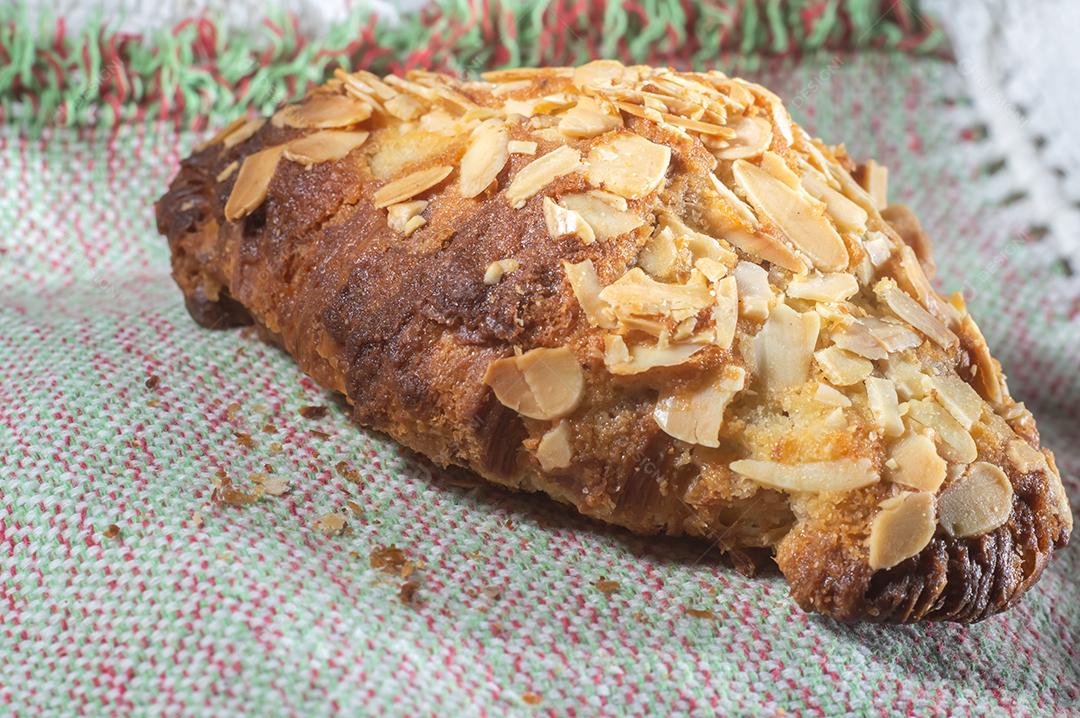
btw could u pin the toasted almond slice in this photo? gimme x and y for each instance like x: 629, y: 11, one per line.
x: 842, y: 367
x: 784, y: 347
x: 958, y: 398
x: 483, y: 161
x: 881, y: 397
x: 713, y: 270
x: 588, y: 118
x: 914, y: 462
x: 879, y: 247
x: 741, y: 209
x: 555, y: 450
x: 699, y: 244
x: 521, y: 147
x: 979, y: 501
x: 824, y: 287
x: 767, y: 247
x: 849, y: 217
x: 221, y: 134
x: 324, y: 146
x: 793, y: 215
x: 227, y: 172
x: 776, y: 166
x: 628, y: 165
x: 399, y: 215
x: 903, y: 527
x: 857, y: 339
x: 753, y: 135
x: 243, y: 132
x: 988, y: 378
x: 903, y: 306
x: 755, y: 294
x: 525, y: 73
x: 725, y: 312
x: 1024, y: 458
x: 500, y: 268
x: 598, y: 74
x: 410, y: 185
x: 561, y: 222
x: 636, y: 293
x: 696, y: 416
x: 324, y: 111
x: 892, y: 335
x: 658, y: 257
x: 252, y: 182
x: 414, y: 224
x: 830, y: 396
x: 404, y: 107
x: 606, y: 220
x: 815, y: 478
x: 908, y: 377
x: 586, y: 287
x: 536, y: 175
x: 953, y: 440
x: 875, y: 180
x: 539, y: 384
x: 623, y: 361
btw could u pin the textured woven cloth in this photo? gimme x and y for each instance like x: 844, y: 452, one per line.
x: 126, y: 587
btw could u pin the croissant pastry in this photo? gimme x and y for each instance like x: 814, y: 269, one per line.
x: 648, y: 294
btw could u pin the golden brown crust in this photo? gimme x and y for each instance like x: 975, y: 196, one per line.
x: 398, y: 309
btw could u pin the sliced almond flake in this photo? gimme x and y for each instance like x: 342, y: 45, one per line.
x: 824, y: 287
x: 725, y: 312
x: 324, y: 146
x: 485, y: 158
x: 893, y: 336
x: 878, y: 247
x: 755, y: 294
x: 884, y: 406
x: 793, y: 215
x: 636, y: 293
x: 521, y: 147
x: 526, y: 73
x: 586, y: 287
x: 741, y: 209
x: 536, y: 175
x: 696, y: 416
x: 784, y: 347
x: 914, y: 462
x: 410, y: 185
x: 624, y: 361
x: 658, y: 257
x: 699, y: 244
x: 1024, y: 458
x: 539, y: 384
x: 588, y: 118
x: 330, y: 524
x: 775, y: 165
x: 414, y: 224
x: 953, y: 440
x: 713, y: 270
x: 243, y: 132
x: 399, y: 215
x: 628, y: 165
x: 830, y: 396
x: 555, y: 450
x: 400, y: 83
x: 902, y: 528
x: 907, y: 376
x: 836, y: 420
x: 553, y: 104
x: 561, y: 222
x: 612, y: 200
x: 598, y: 74
x: 500, y: 268
x: 753, y: 135
x: 606, y: 220
x: 988, y: 377
x: 849, y: 217
x: 875, y: 180
x: 842, y: 367
x: 857, y: 339
x: 222, y: 134
x: 378, y: 87
x: 958, y: 398
x: 252, y: 182
x: 507, y: 88
x: 914, y: 314
x: 815, y: 478
x: 365, y: 95
x: 768, y: 248
x: 324, y: 111
x: 914, y: 278
x: 227, y: 172
x: 980, y: 501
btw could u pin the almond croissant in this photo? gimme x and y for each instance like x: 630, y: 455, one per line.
x: 648, y: 294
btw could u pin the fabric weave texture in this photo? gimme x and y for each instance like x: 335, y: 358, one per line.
x: 116, y: 410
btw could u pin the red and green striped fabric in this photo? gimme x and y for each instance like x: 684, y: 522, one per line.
x: 126, y: 588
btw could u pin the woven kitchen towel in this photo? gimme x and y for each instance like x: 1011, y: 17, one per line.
x: 130, y: 584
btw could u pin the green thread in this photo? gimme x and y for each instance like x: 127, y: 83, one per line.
x: 101, y: 78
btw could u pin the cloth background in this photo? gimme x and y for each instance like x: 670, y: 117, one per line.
x: 190, y: 607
